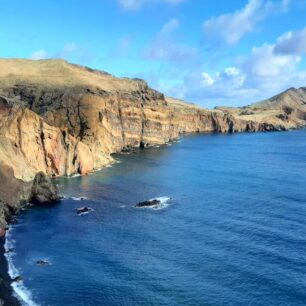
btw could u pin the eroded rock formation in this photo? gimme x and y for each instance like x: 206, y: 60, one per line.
x: 43, y: 190
x: 61, y: 119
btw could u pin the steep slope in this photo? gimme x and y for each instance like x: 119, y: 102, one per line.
x: 284, y: 111
x: 63, y: 119
x: 291, y: 98
x: 73, y: 117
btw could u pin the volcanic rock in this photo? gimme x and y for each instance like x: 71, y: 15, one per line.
x: 44, y: 191
x: 148, y: 203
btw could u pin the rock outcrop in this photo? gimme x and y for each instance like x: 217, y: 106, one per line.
x: 284, y: 111
x: 16, y: 193
x: 43, y: 190
x: 13, y: 194
x: 62, y: 119
x: 148, y: 203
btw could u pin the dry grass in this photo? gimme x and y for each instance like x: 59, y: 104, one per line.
x: 60, y: 73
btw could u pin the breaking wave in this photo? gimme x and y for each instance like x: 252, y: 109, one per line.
x: 20, y: 291
x: 164, y: 203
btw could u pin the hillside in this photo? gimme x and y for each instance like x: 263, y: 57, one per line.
x: 64, y: 119
x: 286, y: 110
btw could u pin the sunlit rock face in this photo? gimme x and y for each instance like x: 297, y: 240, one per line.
x: 64, y: 119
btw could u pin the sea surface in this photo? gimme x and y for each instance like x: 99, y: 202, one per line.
x: 231, y: 229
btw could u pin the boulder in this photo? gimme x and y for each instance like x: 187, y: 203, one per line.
x: 44, y: 191
x: 83, y: 210
x: 127, y: 150
x: 17, y: 279
x: 10, y: 250
x: 148, y: 203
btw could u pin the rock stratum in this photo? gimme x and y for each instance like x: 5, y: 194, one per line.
x: 60, y: 119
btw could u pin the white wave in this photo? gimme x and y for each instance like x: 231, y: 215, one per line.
x: 74, y: 175
x: 101, y: 168
x: 20, y: 291
x: 98, y: 170
x: 85, y: 212
x: 164, y: 203
x: 78, y: 198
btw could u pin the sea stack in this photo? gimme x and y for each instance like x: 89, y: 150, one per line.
x: 43, y: 191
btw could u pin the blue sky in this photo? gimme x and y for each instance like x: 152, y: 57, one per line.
x: 208, y: 52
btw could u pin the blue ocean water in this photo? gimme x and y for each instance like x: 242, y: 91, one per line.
x: 232, y: 233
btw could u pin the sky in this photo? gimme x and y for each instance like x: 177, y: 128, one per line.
x: 222, y: 52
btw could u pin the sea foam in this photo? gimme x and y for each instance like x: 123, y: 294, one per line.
x: 78, y: 198
x: 164, y: 203
x: 20, y: 291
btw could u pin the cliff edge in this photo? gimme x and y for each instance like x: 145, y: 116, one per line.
x: 59, y: 119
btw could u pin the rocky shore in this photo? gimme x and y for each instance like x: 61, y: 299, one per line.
x: 16, y: 194
x: 6, y: 291
x: 61, y: 119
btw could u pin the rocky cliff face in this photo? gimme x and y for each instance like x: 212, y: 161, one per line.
x: 281, y: 112
x: 63, y: 119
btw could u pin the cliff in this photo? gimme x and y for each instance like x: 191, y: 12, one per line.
x: 284, y: 111
x: 63, y: 119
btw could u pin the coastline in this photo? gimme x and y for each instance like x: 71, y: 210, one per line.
x: 178, y: 204
x: 7, y: 292
x: 7, y: 297
x: 132, y: 114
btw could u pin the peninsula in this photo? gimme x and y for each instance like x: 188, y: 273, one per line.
x: 61, y: 119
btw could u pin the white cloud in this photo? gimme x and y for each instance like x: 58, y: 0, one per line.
x: 265, y: 63
x: 264, y: 73
x: 292, y: 43
x: 130, y: 4
x: 165, y: 48
x: 230, y: 77
x: 207, y: 80
x: 170, y: 26
x: 271, y: 72
x: 200, y: 87
x: 39, y: 55
x: 70, y: 51
x: 136, y: 4
x: 230, y: 28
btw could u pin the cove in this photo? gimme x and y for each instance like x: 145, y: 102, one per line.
x: 231, y: 230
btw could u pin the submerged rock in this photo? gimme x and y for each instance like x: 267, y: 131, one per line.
x: 83, y: 210
x: 44, y: 191
x: 17, y: 279
x: 42, y: 262
x: 148, y: 203
x: 125, y: 150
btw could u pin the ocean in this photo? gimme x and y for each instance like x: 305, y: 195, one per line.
x: 230, y: 229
